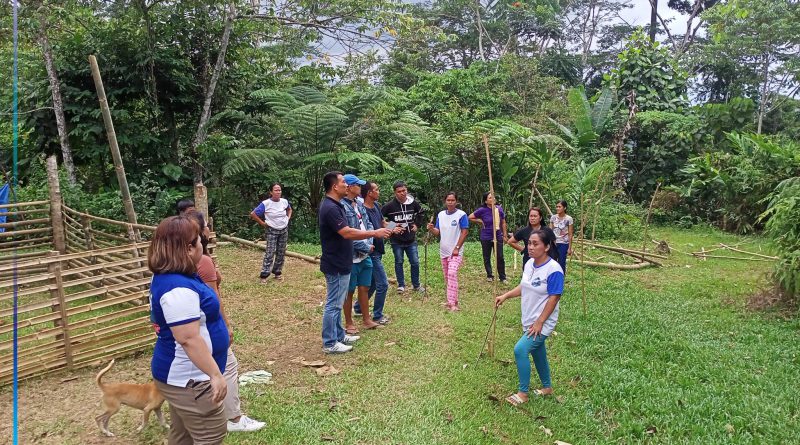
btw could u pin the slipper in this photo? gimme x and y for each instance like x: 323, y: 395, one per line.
x: 540, y: 393
x: 377, y: 326
x: 515, y: 400
x: 351, y: 331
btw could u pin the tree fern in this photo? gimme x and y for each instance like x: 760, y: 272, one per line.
x: 245, y: 160
x: 308, y: 95
x: 279, y: 102
x: 315, y: 128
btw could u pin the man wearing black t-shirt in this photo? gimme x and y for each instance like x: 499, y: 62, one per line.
x: 336, y: 238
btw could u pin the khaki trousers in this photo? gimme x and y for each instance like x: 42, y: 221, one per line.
x: 195, y: 418
x: 232, y: 404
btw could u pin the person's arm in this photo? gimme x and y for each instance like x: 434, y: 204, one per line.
x: 460, y: 242
x: 257, y: 219
x: 188, y: 336
x: 569, y: 240
x: 356, y: 234
x: 289, y: 212
x: 514, y: 243
x: 419, y: 215
x: 504, y: 228
x: 474, y: 218
x: 513, y: 293
x: 434, y: 229
x: 181, y: 308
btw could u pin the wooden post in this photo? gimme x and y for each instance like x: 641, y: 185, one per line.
x: 56, y: 218
x: 201, y: 200
x: 112, y: 143
x: 86, y: 225
x: 59, y: 305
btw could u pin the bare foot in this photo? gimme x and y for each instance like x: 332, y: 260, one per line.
x: 372, y: 325
x: 455, y: 308
x: 543, y: 392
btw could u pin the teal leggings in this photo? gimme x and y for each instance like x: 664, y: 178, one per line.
x: 527, y: 345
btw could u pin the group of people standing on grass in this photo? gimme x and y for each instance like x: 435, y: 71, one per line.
x: 193, y: 364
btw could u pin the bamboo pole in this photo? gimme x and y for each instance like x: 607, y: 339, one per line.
x: 614, y: 265
x: 533, y: 188
x: 748, y: 253
x: 24, y: 222
x: 112, y: 142
x: 109, y: 221
x: 495, y: 228
x: 629, y: 252
x: 725, y: 257
x: 10, y: 233
x: 23, y: 204
x: 57, y: 294
x: 647, y: 221
x: 597, y: 208
x: 583, y: 249
x: 245, y: 242
x: 550, y: 211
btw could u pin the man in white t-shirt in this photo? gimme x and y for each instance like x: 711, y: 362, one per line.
x: 273, y: 214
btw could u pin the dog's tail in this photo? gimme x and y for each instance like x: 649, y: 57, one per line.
x: 102, y: 372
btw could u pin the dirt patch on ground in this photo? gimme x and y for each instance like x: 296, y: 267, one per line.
x: 273, y: 323
x: 773, y: 299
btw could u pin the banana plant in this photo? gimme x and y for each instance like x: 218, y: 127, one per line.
x: 589, y: 120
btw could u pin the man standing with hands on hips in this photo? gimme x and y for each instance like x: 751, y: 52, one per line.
x: 406, y: 213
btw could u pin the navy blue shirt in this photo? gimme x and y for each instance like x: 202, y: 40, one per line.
x: 337, y: 252
x: 376, y: 217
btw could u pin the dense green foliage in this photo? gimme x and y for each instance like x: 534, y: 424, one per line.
x: 392, y: 91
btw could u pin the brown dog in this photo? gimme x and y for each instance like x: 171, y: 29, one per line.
x: 145, y: 397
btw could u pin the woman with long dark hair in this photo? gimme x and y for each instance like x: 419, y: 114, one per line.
x: 452, y: 227
x: 491, y: 226
x: 535, y: 222
x: 563, y: 227
x: 540, y: 288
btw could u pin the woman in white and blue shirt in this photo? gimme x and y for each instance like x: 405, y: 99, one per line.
x: 541, y: 288
x: 192, y: 345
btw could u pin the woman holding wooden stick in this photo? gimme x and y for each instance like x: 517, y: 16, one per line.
x: 491, y: 225
x: 541, y: 288
x: 452, y: 226
x: 563, y: 227
x: 535, y: 222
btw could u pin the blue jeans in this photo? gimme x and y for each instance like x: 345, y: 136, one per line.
x: 563, y: 249
x: 527, y: 345
x: 413, y: 259
x: 332, y: 330
x: 379, y: 287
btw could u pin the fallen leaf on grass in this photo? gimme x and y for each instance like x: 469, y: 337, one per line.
x: 546, y: 431
x: 484, y: 430
x: 560, y: 399
x: 353, y: 419
x: 464, y: 366
x: 729, y: 428
x: 540, y: 418
x: 651, y: 430
x: 493, y: 398
x: 507, y: 362
x: 333, y: 404
x: 575, y: 381
x: 448, y: 416
x: 313, y: 364
x: 389, y: 343
x: 297, y: 359
x: 327, y: 438
x: 68, y: 379
x: 326, y: 371
x: 270, y: 362
x: 559, y: 442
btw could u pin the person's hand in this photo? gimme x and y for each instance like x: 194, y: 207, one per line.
x: 219, y: 388
x: 397, y: 230
x: 535, y: 330
x: 384, y: 233
x: 230, y: 337
x: 371, y: 248
x: 456, y: 251
x: 505, y: 239
x: 569, y: 252
x: 413, y: 227
x: 499, y: 300
x: 430, y: 226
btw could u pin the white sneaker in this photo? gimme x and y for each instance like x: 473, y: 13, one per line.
x: 350, y: 339
x: 245, y: 424
x: 400, y: 289
x: 338, y: 348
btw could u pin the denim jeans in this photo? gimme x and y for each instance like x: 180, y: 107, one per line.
x: 413, y: 259
x: 332, y: 330
x: 563, y: 249
x: 379, y: 287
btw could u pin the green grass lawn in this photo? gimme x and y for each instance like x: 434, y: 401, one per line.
x: 667, y: 355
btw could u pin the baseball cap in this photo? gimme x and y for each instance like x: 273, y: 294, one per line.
x: 353, y: 179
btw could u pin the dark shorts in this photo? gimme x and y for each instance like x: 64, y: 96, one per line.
x: 361, y: 275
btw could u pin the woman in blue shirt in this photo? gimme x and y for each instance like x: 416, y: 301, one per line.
x: 192, y: 345
x: 541, y: 288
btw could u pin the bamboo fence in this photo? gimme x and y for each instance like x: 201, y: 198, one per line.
x: 78, y: 303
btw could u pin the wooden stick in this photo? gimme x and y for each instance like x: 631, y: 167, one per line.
x: 544, y: 202
x: 731, y: 258
x: 486, y: 338
x: 425, y: 254
x: 596, y: 208
x: 614, y: 265
x: 24, y: 222
x: 260, y: 247
x: 22, y: 213
x: 495, y: 227
x: 583, y: 248
x: 25, y: 241
x: 749, y: 253
x: 10, y: 233
x: 533, y: 188
x: 23, y: 204
x: 623, y: 250
x: 647, y: 220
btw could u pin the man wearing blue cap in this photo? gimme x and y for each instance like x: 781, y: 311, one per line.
x: 361, y: 275
x: 336, y: 238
